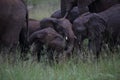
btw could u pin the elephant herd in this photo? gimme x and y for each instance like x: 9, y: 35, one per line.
x: 65, y: 30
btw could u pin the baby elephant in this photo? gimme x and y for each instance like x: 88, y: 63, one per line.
x: 63, y: 27
x: 103, y: 27
x: 50, y: 38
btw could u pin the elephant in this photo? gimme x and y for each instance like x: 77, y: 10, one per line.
x: 101, y: 5
x: 86, y: 5
x: 64, y: 28
x: 99, y: 28
x: 13, y: 16
x: 50, y: 38
x: 67, y: 5
x: 33, y: 26
x: 74, y: 13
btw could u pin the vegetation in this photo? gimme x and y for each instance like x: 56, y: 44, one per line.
x: 39, y: 9
x: 107, y: 68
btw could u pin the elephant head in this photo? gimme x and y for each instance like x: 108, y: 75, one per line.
x: 48, y: 37
x: 63, y: 27
x: 91, y: 26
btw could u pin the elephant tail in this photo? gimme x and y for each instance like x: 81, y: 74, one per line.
x: 27, y: 30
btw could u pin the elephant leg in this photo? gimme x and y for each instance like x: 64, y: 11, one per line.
x: 95, y: 48
x: 111, y: 45
x: 50, y: 55
x: 4, y: 52
x: 57, y: 55
x: 77, y: 48
x: 10, y: 37
x: 39, y: 48
x: 24, y: 51
x: 79, y: 45
x: 24, y: 47
x: 9, y: 53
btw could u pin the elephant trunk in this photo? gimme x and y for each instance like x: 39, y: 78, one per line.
x: 70, y: 43
x: 36, y: 36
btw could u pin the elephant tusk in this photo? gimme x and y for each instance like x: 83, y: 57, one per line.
x: 65, y: 15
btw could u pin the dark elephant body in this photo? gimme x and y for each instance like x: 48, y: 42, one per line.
x: 48, y: 37
x: 101, y: 5
x: 67, y: 5
x: 99, y: 28
x: 112, y: 19
x: 13, y: 15
x: 86, y: 5
x: 33, y: 25
x: 74, y: 13
x: 63, y: 27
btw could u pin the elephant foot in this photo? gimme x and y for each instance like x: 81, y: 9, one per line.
x: 24, y: 57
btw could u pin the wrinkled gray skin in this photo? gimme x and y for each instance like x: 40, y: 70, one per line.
x: 63, y: 27
x: 74, y: 13
x: 50, y: 38
x: 86, y: 5
x: 98, y: 28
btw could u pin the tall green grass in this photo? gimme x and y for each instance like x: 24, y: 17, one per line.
x: 105, y: 69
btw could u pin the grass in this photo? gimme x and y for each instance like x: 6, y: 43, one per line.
x: 44, y: 8
x: 107, y: 68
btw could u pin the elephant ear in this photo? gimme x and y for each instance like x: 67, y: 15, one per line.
x: 96, y: 27
x: 38, y: 35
